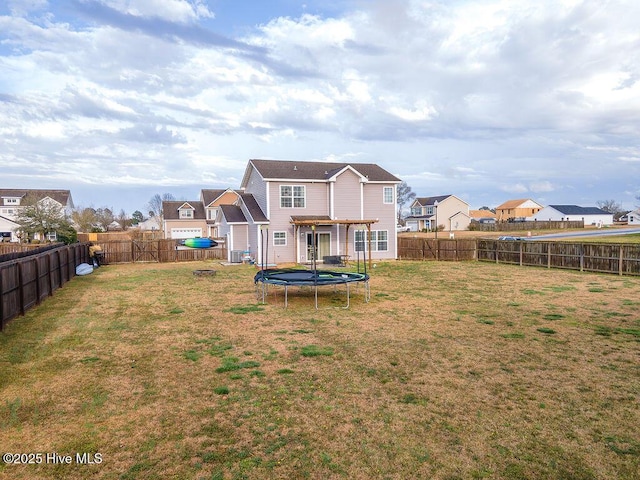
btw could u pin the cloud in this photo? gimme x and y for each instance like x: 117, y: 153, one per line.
x: 489, y: 98
x: 160, y: 22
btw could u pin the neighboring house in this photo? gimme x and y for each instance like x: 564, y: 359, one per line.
x: 517, y: 210
x: 589, y: 215
x: 152, y: 223
x: 12, y: 201
x: 447, y: 211
x: 184, y: 219
x: 482, y: 216
x: 114, y: 226
x: 196, y: 218
x: 8, y: 229
x: 632, y: 218
x: 295, y: 211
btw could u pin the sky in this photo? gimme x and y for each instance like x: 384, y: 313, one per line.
x: 488, y: 100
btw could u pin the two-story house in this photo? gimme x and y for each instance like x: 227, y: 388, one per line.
x: 13, y: 201
x: 446, y: 212
x: 196, y: 218
x: 297, y: 211
x: 517, y: 209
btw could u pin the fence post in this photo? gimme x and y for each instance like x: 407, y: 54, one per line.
x: 50, y: 274
x: 621, y: 260
x: 582, y: 257
x: 37, y: 260
x: 21, y: 287
x: 521, y: 252
x: 1, y: 301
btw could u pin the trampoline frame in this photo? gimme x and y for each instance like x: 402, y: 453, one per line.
x: 308, y: 278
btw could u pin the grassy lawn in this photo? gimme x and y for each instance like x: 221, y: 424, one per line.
x: 631, y: 238
x: 452, y: 371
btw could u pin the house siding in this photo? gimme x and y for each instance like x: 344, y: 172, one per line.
x: 347, y: 198
x: 385, y: 213
x: 169, y: 224
x: 551, y: 214
x: 258, y: 188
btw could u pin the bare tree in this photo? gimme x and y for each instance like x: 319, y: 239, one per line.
x: 104, y: 217
x: 155, y: 204
x: 84, y: 218
x: 404, y: 196
x: 609, y: 206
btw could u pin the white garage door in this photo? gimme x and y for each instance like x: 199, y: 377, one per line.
x: 179, y: 233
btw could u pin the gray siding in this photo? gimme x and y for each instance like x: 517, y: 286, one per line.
x: 258, y: 188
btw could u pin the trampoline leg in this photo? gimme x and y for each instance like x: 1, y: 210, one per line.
x: 348, y: 297
x: 316, y: 294
x: 286, y: 296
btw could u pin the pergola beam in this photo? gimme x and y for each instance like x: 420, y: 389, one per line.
x: 314, y: 222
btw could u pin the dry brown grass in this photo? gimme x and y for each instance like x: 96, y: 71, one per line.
x: 461, y: 370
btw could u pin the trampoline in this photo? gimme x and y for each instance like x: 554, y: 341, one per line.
x: 314, y: 278
x: 286, y: 277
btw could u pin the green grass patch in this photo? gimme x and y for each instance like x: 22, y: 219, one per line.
x: 553, y: 316
x: 230, y: 364
x: 486, y: 321
x: 315, y: 351
x: 512, y: 335
x: 192, y: 355
x: 549, y: 331
x: 244, y: 309
x: 221, y: 390
x: 285, y: 371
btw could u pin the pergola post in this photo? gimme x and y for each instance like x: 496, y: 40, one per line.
x: 369, y: 241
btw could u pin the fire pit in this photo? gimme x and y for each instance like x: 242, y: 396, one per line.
x: 201, y: 273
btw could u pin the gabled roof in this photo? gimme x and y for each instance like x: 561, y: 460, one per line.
x: 426, y: 201
x: 9, y: 220
x: 317, y: 171
x: 61, y: 196
x: 481, y: 214
x: 233, y: 214
x: 576, y: 210
x: 515, y: 203
x: 211, y: 195
x: 170, y: 209
x: 254, y: 209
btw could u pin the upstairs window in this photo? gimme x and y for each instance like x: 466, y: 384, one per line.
x: 186, y: 213
x: 387, y: 195
x: 292, y: 196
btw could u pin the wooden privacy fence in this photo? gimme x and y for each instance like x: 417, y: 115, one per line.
x: 524, y: 226
x: 436, y: 249
x: 26, y: 281
x: 134, y: 251
x: 621, y: 259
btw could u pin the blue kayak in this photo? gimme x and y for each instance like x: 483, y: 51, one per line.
x: 200, y: 243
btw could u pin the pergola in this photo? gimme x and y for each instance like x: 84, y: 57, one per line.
x: 315, y: 221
